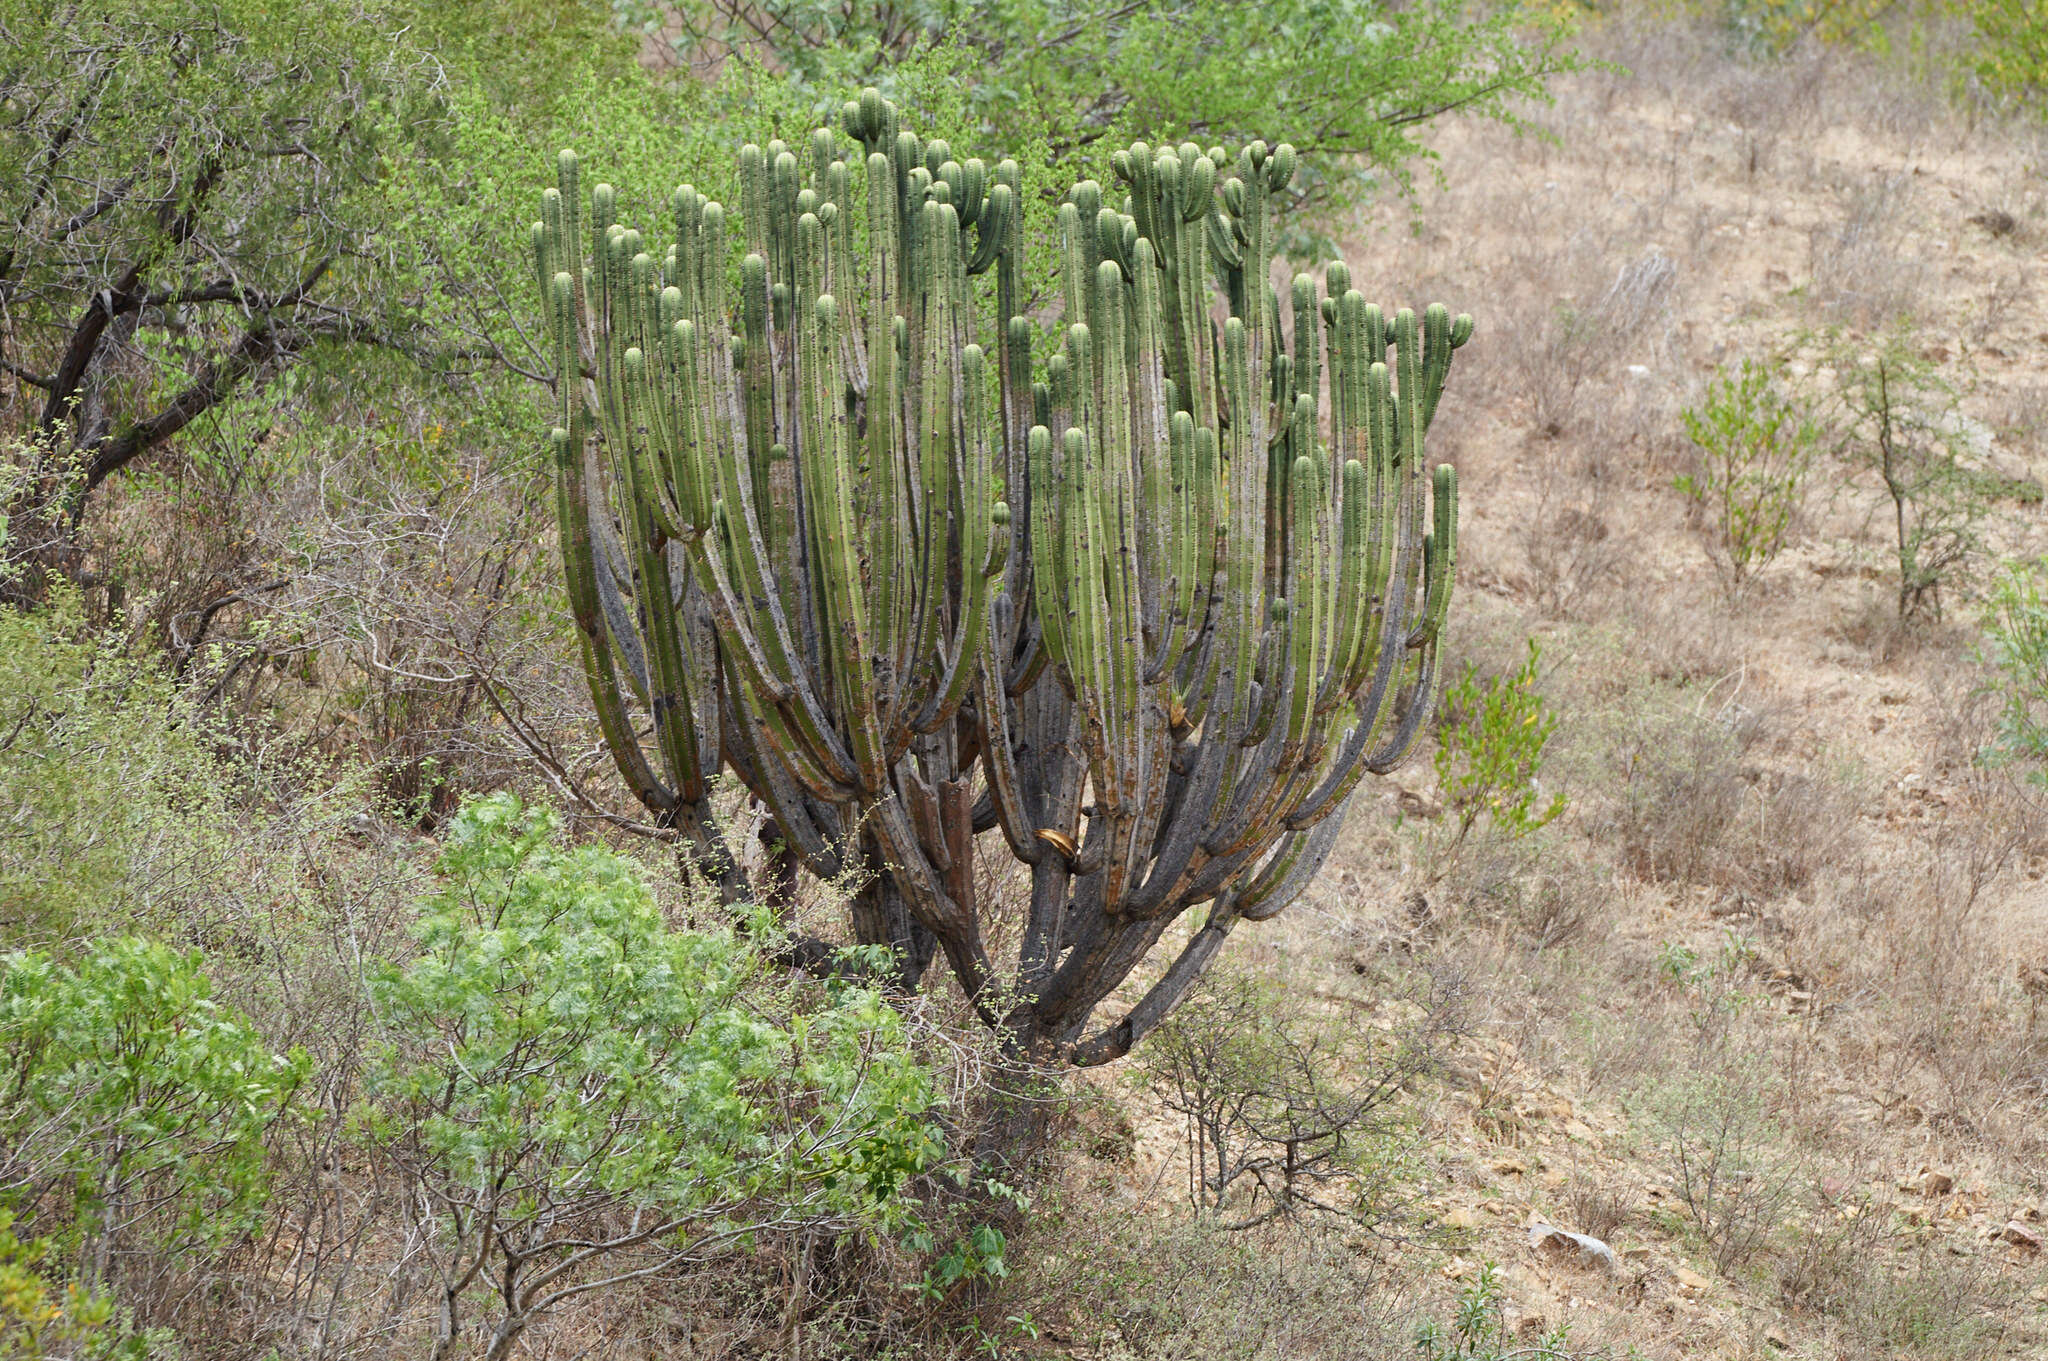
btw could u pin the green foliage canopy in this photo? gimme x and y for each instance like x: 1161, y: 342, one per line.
x: 1899, y: 419
x: 136, y: 1104
x: 2016, y: 650
x: 1337, y: 78
x: 1490, y: 749
x: 1757, y: 443
x: 37, y: 1314
x: 115, y: 807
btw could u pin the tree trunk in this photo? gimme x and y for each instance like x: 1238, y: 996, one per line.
x: 506, y: 1337
x: 444, y: 1333
x: 1016, y: 1119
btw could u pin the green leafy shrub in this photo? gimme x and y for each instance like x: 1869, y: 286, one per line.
x: 1899, y: 419
x: 1489, y: 755
x: 2009, y: 55
x: 1715, y: 989
x: 1478, y: 1329
x: 111, y: 800
x: 1083, y: 77
x: 129, y: 805
x: 567, y: 1083
x: 137, y: 1105
x: 1756, y: 445
x: 38, y: 1317
x: 1735, y: 1175
x: 1772, y: 27
x: 2016, y: 651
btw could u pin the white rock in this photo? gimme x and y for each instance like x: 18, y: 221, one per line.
x: 1581, y: 1249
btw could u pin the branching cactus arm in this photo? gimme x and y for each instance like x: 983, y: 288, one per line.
x: 805, y: 484
x: 1282, y: 648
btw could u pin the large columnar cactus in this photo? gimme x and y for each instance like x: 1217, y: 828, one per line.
x: 787, y: 553
x: 1149, y: 618
x: 786, y: 557
x: 1244, y: 610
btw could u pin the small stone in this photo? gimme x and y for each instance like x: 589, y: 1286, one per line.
x: 1930, y: 1183
x: 2021, y: 1236
x: 1416, y: 805
x: 1690, y: 1281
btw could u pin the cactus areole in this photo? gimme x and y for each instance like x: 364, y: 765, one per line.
x: 1141, y: 619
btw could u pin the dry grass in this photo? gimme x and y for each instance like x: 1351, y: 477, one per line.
x: 1859, y: 262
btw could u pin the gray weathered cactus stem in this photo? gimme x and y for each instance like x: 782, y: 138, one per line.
x: 789, y: 540
x: 1244, y: 610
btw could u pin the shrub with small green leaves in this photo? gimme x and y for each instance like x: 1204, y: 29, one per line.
x: 1489, y: 754
x: 1478, y: 1329
x: 1898, y: 419
x: 1756, y: 444
x: 136, y: 1105
x: 40, y: 1318
x: 112, y: 800
x: 579, y: 1095
x: 978, y: 1255
x: 1360, y: 79
x: 1734, y: 1167
x: 1773, y: 27
x: 2009, y: 54
x: 2016, y: 651
x: 133, y: 807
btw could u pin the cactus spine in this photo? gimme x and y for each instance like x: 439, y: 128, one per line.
x: 787, y: 523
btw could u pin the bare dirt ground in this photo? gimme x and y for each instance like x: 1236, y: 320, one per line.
x: 1760, y: 1011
